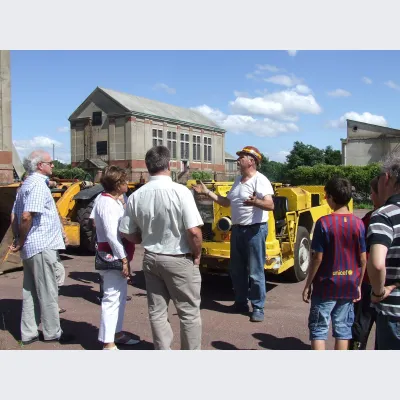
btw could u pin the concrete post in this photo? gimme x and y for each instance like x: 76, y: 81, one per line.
x: 6, y: 166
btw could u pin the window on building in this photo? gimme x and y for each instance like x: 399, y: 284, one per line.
x: 196, y: 148
x: 184, y: 146
x: 97, y: 118
x: 101, y: 148
x: 207, y: 149
x: 171, y: 143
x: 157, y: 137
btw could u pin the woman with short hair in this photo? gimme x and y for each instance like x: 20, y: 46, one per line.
x: 112, y: 258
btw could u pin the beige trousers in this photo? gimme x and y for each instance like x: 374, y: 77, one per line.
x: 177, y: 279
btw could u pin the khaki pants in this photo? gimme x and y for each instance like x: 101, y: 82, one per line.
x: 60, y: 271
x: 177, y: 279
x: 40, y: 297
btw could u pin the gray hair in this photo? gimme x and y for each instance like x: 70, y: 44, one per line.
x: 30, y: 163
x: 157, y: 159
x: 391, y: 166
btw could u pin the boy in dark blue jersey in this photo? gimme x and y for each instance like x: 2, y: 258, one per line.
x: 337, y: 269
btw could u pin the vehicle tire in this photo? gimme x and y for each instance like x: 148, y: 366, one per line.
x: 302, y: 256
x: 88, y: 231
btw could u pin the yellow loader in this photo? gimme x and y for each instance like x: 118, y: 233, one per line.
x: 290, y: 228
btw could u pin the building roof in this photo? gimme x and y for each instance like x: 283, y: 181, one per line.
x: 146, y: 107
x: 357, y: 130
x: 229, y: 156
x: 96, y: 162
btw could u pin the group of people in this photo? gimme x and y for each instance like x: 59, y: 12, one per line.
x: 354, y: 276
x: 163, y: 217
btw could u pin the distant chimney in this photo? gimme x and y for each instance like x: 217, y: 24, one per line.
x: 6, y: 165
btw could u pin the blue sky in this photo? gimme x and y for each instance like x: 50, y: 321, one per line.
x: 267, y: 99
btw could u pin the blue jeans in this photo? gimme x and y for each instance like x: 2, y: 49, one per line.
x: 247, y: 262
x: 387, y: 332
x: 321, y: 311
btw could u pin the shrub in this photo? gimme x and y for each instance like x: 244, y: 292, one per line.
x: 359, y: 176
x: 71, y: 173
x: 201, y: 175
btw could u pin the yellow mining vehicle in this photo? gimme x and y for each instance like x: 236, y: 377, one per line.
x: 290, y: 228
x: 74, y: 200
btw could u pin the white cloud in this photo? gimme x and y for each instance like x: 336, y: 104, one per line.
x: 38, y: 142
x: 165, y: 88
x: 284, y: 80
x: 260, y: 92
x: 282, y: 105
x: 267, y: 67
x: 212, y: 113
x: 280, y: 156
x: 339, y: 93
x: 257, y: 106
x: 262, y: 69
x: 237, y: 93
x: 392, y: 85
x: 292, y: 53
x: 245, y: 124
x: 25, y: 146
x: 366, y: 80
x: 364, y: 117
x: 65, y: 158
x: 303, y: 89
x: 63, y: 129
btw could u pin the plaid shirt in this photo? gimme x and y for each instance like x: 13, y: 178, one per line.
x: 46, y: 233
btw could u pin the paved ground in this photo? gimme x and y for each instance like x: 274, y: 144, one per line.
x: 284, y: 328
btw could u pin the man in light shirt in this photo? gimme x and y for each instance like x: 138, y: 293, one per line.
x: 163, y: 216
x: 39, y: 239
x: 250, y: 200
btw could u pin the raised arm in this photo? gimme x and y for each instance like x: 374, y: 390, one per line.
x: 202, y: 189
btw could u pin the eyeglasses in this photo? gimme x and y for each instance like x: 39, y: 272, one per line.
x: 47, y: 162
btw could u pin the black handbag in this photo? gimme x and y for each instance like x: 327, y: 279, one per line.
x: 104, y: 261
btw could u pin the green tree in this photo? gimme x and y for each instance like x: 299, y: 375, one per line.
x: 201, y: 175
x: 332, y: 157
x: 71, y: 173
x: 273, y: 170
x: 304, y: 155
x: 60, y: 165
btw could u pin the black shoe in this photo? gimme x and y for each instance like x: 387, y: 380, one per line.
x: 33, y: 340
x: 239, y: 308
x: 64, y: 338
x: 128, y: 298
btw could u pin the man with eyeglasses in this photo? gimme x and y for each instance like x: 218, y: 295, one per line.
x: 39, y: 239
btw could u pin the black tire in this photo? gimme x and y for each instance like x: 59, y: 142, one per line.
x: 88, y: 231
x: 301, y: 261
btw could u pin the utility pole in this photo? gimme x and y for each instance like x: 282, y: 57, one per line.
x: 53, y: 152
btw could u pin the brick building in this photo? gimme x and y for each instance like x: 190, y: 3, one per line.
x: 118, y: 128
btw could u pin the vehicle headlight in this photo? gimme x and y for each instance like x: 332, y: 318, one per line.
x: 224, y: 224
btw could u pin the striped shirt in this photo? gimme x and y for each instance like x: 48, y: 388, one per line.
x: 384, y: 229
x: 46, y: 233
x: 341, y: 239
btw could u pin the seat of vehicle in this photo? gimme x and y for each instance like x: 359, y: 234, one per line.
x: 281, y: 207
